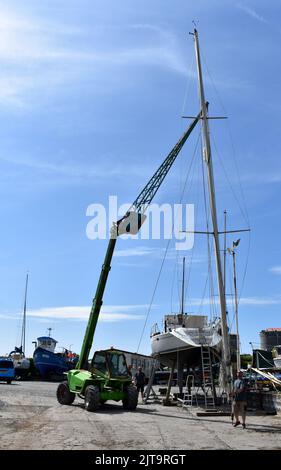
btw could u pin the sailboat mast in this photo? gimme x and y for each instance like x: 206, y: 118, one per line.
x: 24, y: 317
x: 182, y: 286
x: 226, y: 372
x: 236, y: 311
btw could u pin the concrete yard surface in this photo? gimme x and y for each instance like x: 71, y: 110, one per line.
x: 31, y: 418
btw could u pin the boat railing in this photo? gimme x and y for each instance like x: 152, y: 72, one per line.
x: 154, y: 330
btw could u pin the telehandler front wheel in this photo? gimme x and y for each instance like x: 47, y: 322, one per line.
x: 131, y: 400
x: 64, y: 395
x: 92, y: 398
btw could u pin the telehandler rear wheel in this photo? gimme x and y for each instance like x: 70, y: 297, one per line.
x: 92, y: 398
x: 131, y: 401
x: 64, y: 395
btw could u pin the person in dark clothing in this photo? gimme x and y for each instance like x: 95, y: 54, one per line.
x: 239, y: 394
x: 140, y: 381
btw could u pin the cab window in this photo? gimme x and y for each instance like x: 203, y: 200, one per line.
x: 99, y: 362
x: 117, y: 365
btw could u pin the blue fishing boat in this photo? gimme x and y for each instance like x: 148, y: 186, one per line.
x: 49, y: 362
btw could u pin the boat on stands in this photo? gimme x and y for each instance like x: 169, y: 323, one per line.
x: 49, y: 362
x: 184, y: 336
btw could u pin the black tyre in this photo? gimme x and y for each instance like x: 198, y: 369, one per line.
x: 92, y: 398
x: 131, y: 401
x: 64, y: 395
x: 9, y: 381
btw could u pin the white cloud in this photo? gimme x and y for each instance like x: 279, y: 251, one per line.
x: 158, y: 252
x: 74, y: 171
x: 252, y: 13
x: 244, y: 301
x: 138, y: 251
x: 9, y: 317
x: 275, y: 269
x: 260, y: 301
x: 36, y: 54
x: 110, y: 313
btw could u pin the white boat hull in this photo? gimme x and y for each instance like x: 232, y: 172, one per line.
x: 184, y: 338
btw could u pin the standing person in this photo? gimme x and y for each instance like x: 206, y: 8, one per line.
x: 239, y: 400
x: 140, y: 381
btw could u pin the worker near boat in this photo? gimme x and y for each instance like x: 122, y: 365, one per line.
x: 239, y: 396
x: 140, y: 382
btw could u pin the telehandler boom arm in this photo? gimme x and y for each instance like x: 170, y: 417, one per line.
x: 138, y: 207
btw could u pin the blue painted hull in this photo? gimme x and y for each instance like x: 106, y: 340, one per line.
x: 48, y: 362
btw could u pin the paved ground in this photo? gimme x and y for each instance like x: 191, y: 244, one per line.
x: 31, y: 418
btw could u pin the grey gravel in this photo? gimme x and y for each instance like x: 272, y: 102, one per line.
x: 31, y: 418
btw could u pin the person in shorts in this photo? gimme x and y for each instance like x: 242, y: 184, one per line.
x: 239, y: 394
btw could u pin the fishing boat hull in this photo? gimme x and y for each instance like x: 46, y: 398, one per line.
x: 49, y: 363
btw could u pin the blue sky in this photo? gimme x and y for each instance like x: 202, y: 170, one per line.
x: 91, y: 99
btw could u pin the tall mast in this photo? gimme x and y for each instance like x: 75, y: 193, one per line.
x: 182, y: 286
x: 232, y: 251
x: 226, y: 372
x: 224, y: 253
x: 24, y: 317
x: 236, y: 312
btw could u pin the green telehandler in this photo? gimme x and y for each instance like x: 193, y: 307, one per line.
x: 107, y: 377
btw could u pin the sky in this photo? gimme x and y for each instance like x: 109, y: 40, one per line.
x: 92, y: 95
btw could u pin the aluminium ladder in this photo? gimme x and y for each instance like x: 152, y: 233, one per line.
x: 189, y: 395
x: 207, y: 378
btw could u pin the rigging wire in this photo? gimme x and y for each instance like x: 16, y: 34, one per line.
x: 190, y: 260
x: 167, y: 247
x: 187, y: 92
x: 231, y: 142
x: 203, y: 295
x: 243, y: 212
x: 190, y: 263
x: 186, y: 96
x: 247, y: 221
x: 188, y: 83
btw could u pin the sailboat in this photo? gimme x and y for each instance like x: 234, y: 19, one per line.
x: 21, y: 363
x: 184, y: 335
